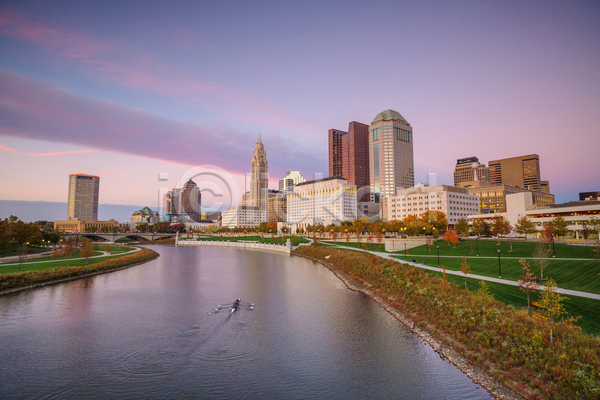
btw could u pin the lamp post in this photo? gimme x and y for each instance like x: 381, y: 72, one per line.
x: 499, y: 270
x: 404, y: 251
x: 477, y: 243
x: 438, y: 249
x: 553, y: 247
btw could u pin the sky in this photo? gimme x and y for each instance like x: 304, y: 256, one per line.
x: 129, y: 90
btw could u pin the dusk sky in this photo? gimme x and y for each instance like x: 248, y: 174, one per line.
x: 128, y: 90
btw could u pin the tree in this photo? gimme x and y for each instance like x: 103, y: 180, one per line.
x: 107, y: 249
x: 527, y: 282
x: 335, y: 235
x: 462, y: 227
x: 560, y: 226
x: 548, y: 234
x: 314, y: 238
x: 465, y: 269
x: 500, y: 227
x: 451, y: 237
x: 56, y: 251
x: 594, y: 223
x: 67, y: 250
x: 293, y: 239
x: 434, y: 220
x: 271, y: 226
x: 585, y: 231
x: 379, y: 237
x: 524, y: 226
x: 125, y: 229
x: 551, y: 309
x: 478, y: 227
x: 142, y: 228
x: 86, y: 249
x: 541, y: 254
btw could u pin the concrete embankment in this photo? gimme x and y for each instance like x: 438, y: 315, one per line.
x: 285, y: 248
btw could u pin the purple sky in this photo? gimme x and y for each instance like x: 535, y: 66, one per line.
x: 127, y: 90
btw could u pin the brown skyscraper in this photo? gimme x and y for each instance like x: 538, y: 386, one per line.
x: 83, y: 197
x: 349, y: 154
x: 523, y: 171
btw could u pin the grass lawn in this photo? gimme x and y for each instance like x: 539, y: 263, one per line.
x: 278, y: 240
x: 588, y: 309
x: 582, y: 274
x: 15, y: 250
x: 39, y: 264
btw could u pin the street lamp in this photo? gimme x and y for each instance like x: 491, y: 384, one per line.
x: 499, y: 270
x: 553, y: 247
x: 404, y: 251
x: 477, y: 243
x: 438, y: 248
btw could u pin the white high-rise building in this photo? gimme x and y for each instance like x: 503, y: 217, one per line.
x: 291, y: 179
x: 323, y: 201
x: 391, y: 163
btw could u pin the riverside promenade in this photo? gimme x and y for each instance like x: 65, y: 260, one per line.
x: 242, y: 244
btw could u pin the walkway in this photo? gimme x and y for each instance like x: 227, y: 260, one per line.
x: 104, y: 254
x: 392, y: 257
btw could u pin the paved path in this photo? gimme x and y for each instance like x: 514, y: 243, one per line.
x: 392, y: 257
x: 104, y: 254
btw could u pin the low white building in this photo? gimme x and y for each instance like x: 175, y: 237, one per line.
x: 454, y: 202
x: 322, y: 201
x: 243, y: 217
x: 575, y: 213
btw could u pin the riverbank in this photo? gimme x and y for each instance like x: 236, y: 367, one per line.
x: 501, y: 348
x: 14, y: 282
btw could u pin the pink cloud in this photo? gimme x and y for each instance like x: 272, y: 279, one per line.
x: 58, y: 153
x: 4, y: 148
x: 126, y: 67
x: 33, y: 110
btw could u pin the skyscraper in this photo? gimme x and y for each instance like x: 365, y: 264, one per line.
x: 522, y: 171
x: 349, y: 154
x: 83, y: 197
x: 291, y: 179
x: 391, y: 163
x: 338, y: 145
x: 465, y: 171
x: 190, y: 200
x: 259, y: 179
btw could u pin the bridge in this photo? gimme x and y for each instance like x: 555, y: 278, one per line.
x: 113, y: 237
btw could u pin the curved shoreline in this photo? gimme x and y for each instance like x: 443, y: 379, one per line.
x: 495, y: 388
x: 74, y: 278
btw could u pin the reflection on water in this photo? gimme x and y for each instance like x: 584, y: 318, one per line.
x: 147, y: 332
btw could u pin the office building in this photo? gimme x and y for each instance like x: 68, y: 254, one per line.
x: 576, y: 213
x: 242, y: 216
x: 522, y: 171
x: 190, y: 201
x: 589, y: 196
x: 79, y: 225
x: 391, y: 163
x: 323, y: 201
x: 454, y: 202
x: 291, y: 179
x: 470, y: 169
x: 83, y: 197
x: 493, y: 197
x: 277, y: 206
x: 144, y: 216
x: 349, y: 154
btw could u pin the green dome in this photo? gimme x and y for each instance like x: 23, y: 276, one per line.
x: 388, y: 114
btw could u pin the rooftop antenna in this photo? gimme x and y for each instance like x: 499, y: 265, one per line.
x: 259, y: 136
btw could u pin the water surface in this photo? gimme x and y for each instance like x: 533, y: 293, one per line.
x: 146, y: 333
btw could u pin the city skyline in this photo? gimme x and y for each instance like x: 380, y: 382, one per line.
x: 126, y: 92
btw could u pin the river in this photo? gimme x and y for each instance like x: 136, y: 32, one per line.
x: 146, y: 332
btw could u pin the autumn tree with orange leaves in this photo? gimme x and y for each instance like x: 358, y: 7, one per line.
x: 451, y: 237
x: 551, y: 310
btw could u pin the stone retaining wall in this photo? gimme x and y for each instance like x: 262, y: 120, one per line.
x: 281, y: 248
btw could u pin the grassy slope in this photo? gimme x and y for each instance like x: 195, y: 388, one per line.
x: 36, y: 265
